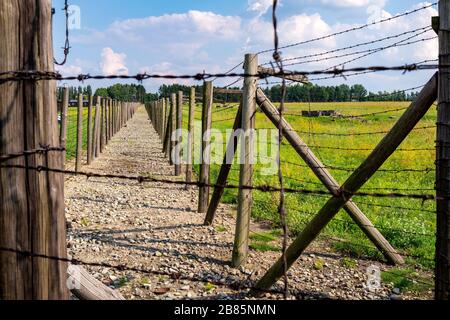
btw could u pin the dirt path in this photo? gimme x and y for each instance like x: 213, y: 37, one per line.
x: 155, y: 226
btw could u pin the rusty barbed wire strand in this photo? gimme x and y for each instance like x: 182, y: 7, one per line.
x: 9, y: 76
x: 66, y: 47
x: 367, y: 52
x: 407, y: 13
x: 428, y: 28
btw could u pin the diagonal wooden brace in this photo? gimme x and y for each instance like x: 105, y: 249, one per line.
x: 224, y: 170
x: 327, y: 179
x: 367, y: 169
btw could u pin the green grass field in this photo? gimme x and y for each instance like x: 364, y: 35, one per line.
x: 72, y: 131
x: 408, y: 224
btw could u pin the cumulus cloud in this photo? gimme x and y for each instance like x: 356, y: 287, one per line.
x: 354, y: 3
x: 69, y: 70
x: 113, y: 63
x: 201, y: 23
x: 259, y: 6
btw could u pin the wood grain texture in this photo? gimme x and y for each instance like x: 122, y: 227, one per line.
x: 245, y: 197
x: 206, y: 150
x: 31, y: 203
x: 442, y: 273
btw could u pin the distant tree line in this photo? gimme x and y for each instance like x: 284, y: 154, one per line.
x: 303, y: 93
x: 342, y: 93
x: 124, y: 92
x: 294, y: 93
x: 74, y: 92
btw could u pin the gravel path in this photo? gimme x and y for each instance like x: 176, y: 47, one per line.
x: 155, y: 226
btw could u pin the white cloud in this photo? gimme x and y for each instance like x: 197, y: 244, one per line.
x: 69, y: 70
x: 259, y: 6
x: 354, y: 3
x: 113, y: 63
x: 201, y: 23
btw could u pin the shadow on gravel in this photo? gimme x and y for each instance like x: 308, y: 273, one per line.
x: 107, y: 238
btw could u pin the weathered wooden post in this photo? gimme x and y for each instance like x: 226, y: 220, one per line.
x: 63, y: 129
x: 32, y: 223
x: 173, y: 102
x: 190, y: 138
x: 102, y: 124
x: 225, y: 169
x: 111, y: 108
x: 89, y: 131
x: 442, y: 272
x: 96, y: 148
x: 245, y: 197
x: 179, y: 135
x: 79, y: 133
x: 205, y: 167
x: 163, y: 117
x: 168, y: 125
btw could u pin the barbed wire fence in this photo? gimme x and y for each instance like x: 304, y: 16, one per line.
x: 167, y: 115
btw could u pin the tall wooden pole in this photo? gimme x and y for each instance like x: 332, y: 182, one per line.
x: 205, y: 166
x: 163, y: 119
x: 89, y: 131
x: 173, y: 102
x: 96, y: 148
x: 224, y: 169
x: 245, y: 197
x: 442, y: 273
x: 63, y: 129
x: 32, y: 219
x: 179, y: 135
x: 190, y: 138
x: 79, y: 133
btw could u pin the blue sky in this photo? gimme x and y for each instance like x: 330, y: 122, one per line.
x: 179, y: 36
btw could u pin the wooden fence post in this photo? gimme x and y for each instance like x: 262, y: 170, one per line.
x: 96, y: 148
x: 168, y: 125
x: 362, y: 174
x: 179, y: 135
x: 79, y: 133
x: 102, y: 124
x: 203, y: 198
x: 63, y: 129
x: 32, y: 222
x: 442, y: 271
x: 173, y: 102
x: 190, y: 138
x: 89, y: 131
x: 245, y: 197
x: 225, y: 169
x: 111, y: 108
x: 163, y: 119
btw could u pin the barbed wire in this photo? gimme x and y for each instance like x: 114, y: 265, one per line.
x: 353, y: 29
x: 281, y: 206
x: 262, y: 188
x: 428, y: 28
x: 66, y: 47
x: 367, y: 52
x: 28, y: 75
x: 371, y: 52
x: 42, y: 150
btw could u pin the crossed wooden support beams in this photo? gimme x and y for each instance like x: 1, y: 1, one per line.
x: 368, y: 168
x: 341, y: 195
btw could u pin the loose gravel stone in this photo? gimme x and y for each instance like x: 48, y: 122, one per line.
x: 154, y: 226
